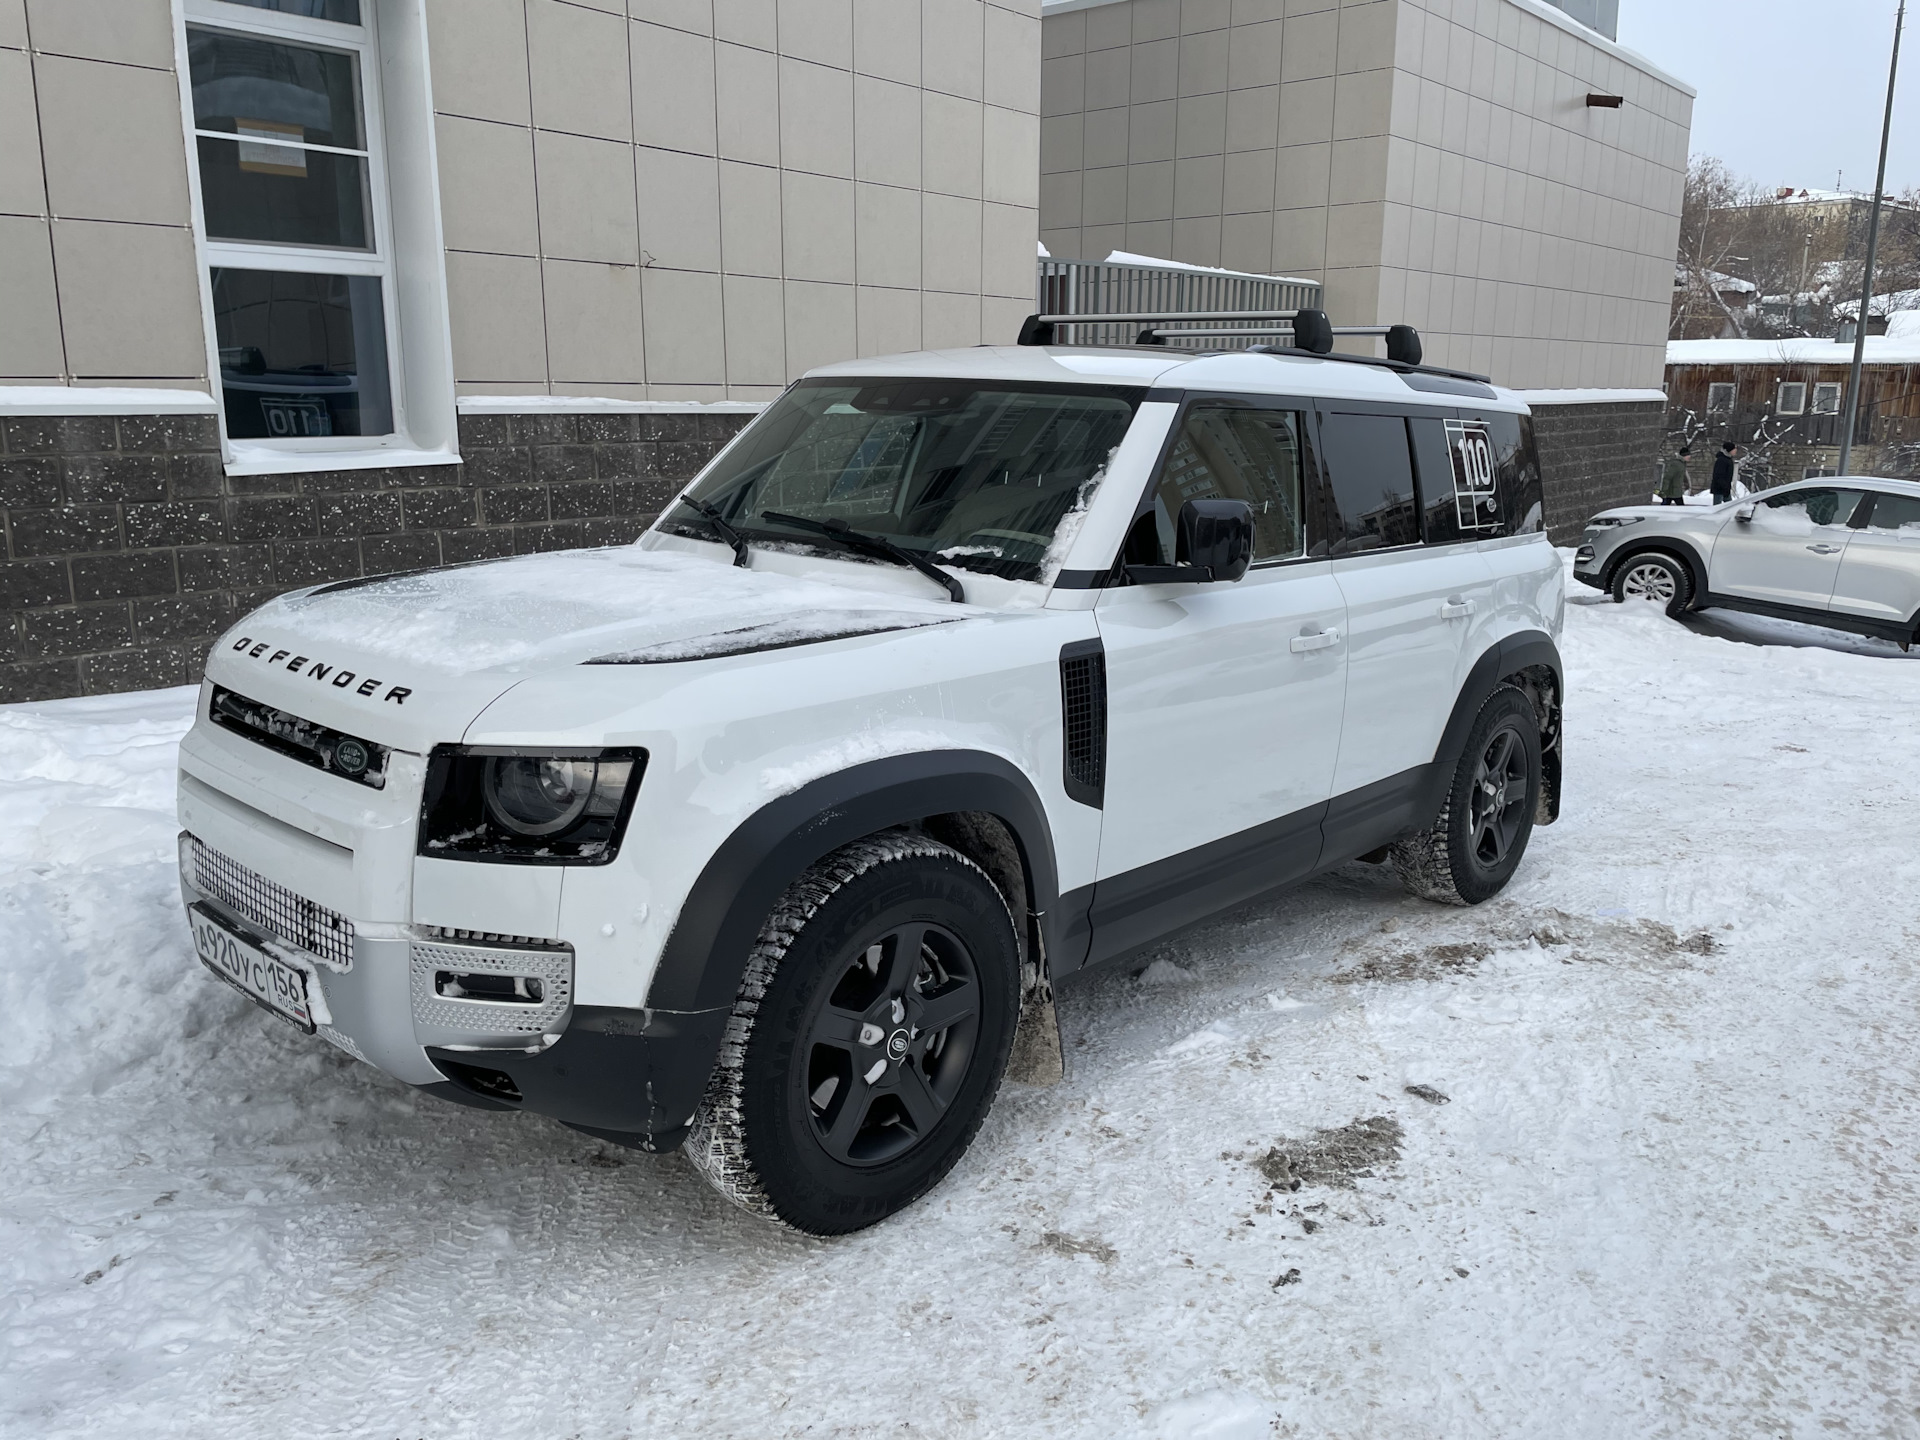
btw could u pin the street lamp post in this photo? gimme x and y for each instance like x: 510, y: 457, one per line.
x: 1873, y: 245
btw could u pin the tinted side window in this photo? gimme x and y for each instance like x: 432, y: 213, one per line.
x: 1442, y: 521
x: 1371, y: 471
x: 1517, y: 467
x: 1800, y: 511
x: 1235, y: 452
x: 1896, y: 514
x: 1490, y: 447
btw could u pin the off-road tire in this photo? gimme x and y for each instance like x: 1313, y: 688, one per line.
x: 1445, y: 862
x: 753, y: 1137
x: 1657, y: 577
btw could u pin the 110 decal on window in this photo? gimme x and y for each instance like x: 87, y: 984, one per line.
x: 1475, y: 497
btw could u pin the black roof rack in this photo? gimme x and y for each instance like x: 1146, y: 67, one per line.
x: 1310, y: 330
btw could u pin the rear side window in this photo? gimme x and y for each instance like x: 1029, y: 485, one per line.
x: 1896, y: 514
x: 1235, y: 452
x: 1517, y: 466
x: 1492, y: 469
x: 1370, y: 472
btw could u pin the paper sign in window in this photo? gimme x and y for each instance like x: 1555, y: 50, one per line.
x: 272, y: 158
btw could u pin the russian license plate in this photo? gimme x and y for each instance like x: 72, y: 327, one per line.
x: 268, y: 982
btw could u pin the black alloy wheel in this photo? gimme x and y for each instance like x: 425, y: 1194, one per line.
x: 1497, y: 801
x: 872, y: 1027
x: 888, y: 1047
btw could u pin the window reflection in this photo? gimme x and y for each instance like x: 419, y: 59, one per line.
x: 341, y: 12
x: 277, y: 100
x: 301, y: 355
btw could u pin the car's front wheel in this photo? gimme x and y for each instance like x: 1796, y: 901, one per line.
x: 1654, y: 579
x: 868, y: 1039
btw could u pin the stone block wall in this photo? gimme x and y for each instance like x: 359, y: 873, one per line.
x: 128, y: 549
x: 1596, y: 456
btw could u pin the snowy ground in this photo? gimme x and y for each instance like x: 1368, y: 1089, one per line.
x: 1674, y: 1191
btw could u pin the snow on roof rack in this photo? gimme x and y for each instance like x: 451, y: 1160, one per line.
x: 1310, y: 330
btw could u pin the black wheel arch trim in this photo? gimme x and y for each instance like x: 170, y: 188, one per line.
x: 1524, y: 650
x: 706, y: 952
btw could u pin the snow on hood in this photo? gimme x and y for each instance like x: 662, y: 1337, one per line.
x: 409, y: 660
x: 573, y: 606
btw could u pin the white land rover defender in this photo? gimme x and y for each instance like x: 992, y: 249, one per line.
x: 953, y: 674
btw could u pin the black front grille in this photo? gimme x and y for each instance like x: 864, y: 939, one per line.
x: 272, y: 907
x: 1083, y: 714
x: 347, y: 756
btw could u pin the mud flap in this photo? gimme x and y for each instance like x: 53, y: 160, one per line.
x: 1037, y: 1057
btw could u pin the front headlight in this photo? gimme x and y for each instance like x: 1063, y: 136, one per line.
x: 530, y: 807
x: 1608, y: 522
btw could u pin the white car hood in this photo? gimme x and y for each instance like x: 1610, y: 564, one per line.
x: 426, y: 653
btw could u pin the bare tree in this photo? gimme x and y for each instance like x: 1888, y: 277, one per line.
x: 1706, y: 250
x: 1806, y: 258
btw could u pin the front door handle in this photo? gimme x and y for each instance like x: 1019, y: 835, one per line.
x: 1824, y: 549
x: 1313, y: 640
x: 1455, y: 609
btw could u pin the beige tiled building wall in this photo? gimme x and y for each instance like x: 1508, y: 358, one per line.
x: 661, y: 199
x: 98, y: 283
x: 699, y: 199
x: 1429, y: 161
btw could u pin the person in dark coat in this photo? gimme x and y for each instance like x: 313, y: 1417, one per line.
x: 1674, y: 480
x: 1723, y: 468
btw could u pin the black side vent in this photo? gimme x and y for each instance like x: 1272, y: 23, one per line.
x: 1083, y: 714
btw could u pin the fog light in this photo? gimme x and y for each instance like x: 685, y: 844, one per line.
x: 501, y: 989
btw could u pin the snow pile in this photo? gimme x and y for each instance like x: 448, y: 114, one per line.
x: 1670, y: 1190
x: 88, y: 813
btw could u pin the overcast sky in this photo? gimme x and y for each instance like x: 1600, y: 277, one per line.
x: 1790, y: 90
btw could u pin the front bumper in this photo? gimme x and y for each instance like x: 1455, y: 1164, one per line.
x: 1586, y: 567
x: 403, y: 998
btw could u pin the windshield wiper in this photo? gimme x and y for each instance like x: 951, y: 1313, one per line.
x: 872, y: 545
x: 741, y: 553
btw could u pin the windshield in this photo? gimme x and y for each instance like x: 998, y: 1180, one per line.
x: 969, y: 473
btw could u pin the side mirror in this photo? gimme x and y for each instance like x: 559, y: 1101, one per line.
x: 1743, y: 514
x: 1213, y: 540
x: 1215, y: 535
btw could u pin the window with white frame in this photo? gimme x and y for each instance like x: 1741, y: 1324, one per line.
x: 1826, y: 398
x: 1720, y: 398
x: 296, y: 229
x: 1791, y: 398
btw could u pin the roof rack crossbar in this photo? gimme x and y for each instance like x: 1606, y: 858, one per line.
x: 1136, y: 317
x: 1236, y: 331
x: 1310, y: 330
x: 1162, y: 333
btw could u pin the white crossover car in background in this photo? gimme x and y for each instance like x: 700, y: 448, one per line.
x: 953, y: 674
x: 1836, y: 551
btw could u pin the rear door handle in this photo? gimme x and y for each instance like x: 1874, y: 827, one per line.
x: 1455, y: 609
x: 1824, y: 549
x: 1315, y: 640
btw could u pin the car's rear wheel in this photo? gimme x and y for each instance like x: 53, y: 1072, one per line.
x: 1653, y: 578
x: 868, y: 1039
x: 1472, y: 849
